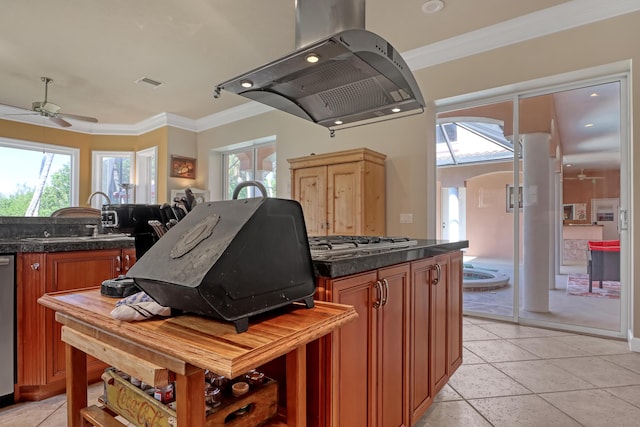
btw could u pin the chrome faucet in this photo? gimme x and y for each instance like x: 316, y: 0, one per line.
x: 95, y: 193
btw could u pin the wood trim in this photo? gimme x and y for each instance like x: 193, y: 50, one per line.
x: 336, y: 157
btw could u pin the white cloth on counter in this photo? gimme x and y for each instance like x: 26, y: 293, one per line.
x: 138, y: 306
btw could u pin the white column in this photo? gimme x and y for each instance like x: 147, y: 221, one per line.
x: 536, y: 221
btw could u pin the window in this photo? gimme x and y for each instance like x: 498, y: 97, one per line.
x: 112, y: 175
x: 257, y: 163
x: 146, y: 176
x: 37, y: 179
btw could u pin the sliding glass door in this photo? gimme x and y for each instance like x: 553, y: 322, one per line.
x: 545, y: 217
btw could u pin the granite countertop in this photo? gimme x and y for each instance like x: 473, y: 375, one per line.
x: 344, y: 265
x: 65, y: 243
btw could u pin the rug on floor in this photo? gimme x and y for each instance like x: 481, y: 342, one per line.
x: 578, y: 284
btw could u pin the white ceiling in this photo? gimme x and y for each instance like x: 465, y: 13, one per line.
x: 96, y: 50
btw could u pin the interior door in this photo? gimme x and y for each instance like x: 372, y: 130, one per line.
x: 604, y: 212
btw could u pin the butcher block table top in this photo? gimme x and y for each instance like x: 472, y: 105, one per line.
x: 187, y: 345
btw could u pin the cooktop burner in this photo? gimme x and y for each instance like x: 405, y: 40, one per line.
x: 328, y: 246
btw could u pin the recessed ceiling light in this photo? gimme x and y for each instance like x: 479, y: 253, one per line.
x: 338, y: 122
x: 246, y: 84
x: 569, y: 165
x: 594, y: 94
x: 395, y: 110
x: 312, y: 58
x: 589, y: 125
x: 432, y: 6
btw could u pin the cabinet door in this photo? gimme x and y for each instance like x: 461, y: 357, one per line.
x: 353, y: 354
x: 439, y: 307
x: 344, y: 204
x: 310, y: 189
x: 128, y: 259
x: 455, y: 311
x: 393, y: 351
x: 420, y: 392
x: 67, y: 271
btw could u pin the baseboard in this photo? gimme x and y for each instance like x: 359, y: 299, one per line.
x: 634, y: 342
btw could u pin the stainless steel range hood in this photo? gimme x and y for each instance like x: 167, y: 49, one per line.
x: 358, y: 77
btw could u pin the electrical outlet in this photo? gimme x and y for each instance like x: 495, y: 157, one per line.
x: 406, y: 218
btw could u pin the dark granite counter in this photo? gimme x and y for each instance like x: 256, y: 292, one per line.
x: 344, y: 265
x: 47, y: 234
x: 64, y: 244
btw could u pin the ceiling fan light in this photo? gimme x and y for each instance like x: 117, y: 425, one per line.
x: 312, y: 58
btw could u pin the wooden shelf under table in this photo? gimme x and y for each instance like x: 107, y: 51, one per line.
x: 186, y: 345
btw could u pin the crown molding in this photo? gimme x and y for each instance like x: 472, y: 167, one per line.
x: 562, y: 17
x: 567, y: 15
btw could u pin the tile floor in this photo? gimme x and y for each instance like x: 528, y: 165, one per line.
x: 511, y: 376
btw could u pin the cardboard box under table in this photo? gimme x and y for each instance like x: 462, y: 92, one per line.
x: 183, y: 347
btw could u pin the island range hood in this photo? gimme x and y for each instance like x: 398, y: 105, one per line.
x: 340, y: 75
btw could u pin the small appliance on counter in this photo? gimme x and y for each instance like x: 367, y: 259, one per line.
x: 231, y: 260
x: 133, y: 219
x: 119, y: 287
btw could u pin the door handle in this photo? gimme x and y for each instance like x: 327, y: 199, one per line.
x: 438, y: 272
x: 127, y: 265
x: 118, y: 263
x: 385, y: 294
x: 378, y: 303
x: 624, y: 219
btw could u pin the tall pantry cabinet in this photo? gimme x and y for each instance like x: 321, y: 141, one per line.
x: 341, y: 193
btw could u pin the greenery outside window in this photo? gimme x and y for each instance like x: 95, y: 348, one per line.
x: 37, y: 179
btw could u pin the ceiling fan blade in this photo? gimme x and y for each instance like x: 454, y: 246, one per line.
x: 76, y: 117
x: 59, y: 121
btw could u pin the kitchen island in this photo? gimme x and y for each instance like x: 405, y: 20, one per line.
x: 386, y: 367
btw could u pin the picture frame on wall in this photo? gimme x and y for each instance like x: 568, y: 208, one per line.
x: 182, y: 167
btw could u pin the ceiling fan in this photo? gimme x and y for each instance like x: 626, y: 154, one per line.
x: 582, y: 176
x: 51, y: 111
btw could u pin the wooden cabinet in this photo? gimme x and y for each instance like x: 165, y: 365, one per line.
x: 341, y: 193
x: 368, y: 367
x: 40, y: 351
x: 436, y: 327
x: 384, y: 369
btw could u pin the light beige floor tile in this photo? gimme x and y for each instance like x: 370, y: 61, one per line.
x: 630, y: 394
x: 595, y: 408
x: 475, y: 333
x: 469, y: 358
x: 548, y: 347
x: 458, y: 413
x: 478, y: 381
x: 29, y: 414
x: 629, y: 360
x: 596, y: 346
x: 541, y: 376
x: 510, y: 330
x: 521, y: 411
x: 598, y: 371
x: 447, y: 394
x: 499, y: 351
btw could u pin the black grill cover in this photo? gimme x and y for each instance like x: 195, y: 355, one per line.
x: 231, y: 260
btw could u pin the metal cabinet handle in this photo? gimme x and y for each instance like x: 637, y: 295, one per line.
x: 438, y: 274
x: 35, y: 266
x: 118, y: 263
x: 379, y: 297
x: 127, y: 265
x: 385, y: 294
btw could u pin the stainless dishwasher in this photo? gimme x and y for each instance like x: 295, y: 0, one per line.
x: 7, y: 328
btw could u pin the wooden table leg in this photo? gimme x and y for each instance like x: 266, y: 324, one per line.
x: 190, y: 398
x: 76, y: 372
x: 297, y: 387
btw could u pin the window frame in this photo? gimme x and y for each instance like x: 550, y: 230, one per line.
x: 73, y: 152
